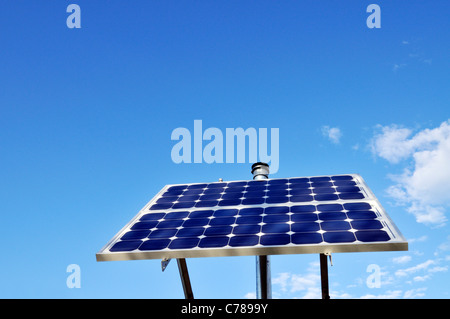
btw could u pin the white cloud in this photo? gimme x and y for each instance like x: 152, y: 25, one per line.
x: 423, y: 186
x: 438, y: 269
x: 411, y: 270
x: 250, y: 295
x: 390, y: 294
x: 334, y: 134
x: 401, y: 259
x: 417, y: 240
x: 421, y: 278
x: 308, y: 284
x: 415, y: 293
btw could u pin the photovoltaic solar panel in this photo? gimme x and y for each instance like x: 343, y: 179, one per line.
x: 321, y: 214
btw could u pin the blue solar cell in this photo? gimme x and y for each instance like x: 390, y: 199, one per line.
x: 246, y: 229
x: 210, y: 197
x: 184, y: 243
x: 348, y: 189
x: 372, y: 235
x: 361, y: 214
x: 172, y: 193
x: 222, y: 221
x: 329, y: 207
x: 276, y: 218
x: 277, y: 186
x: 258, y: 194
x: 366, y: 224
x: 282, y: 192
x: 324, y: 190
x: 236, y: 195
x: 225, y: 212
x: 320, y: 179
x: 251, y: 211
x: 301, y: 198
x: 304, y: 217
x: 339, y: 237
x: 300, y: 185
x: 276, y: 210
x: 152, y: 216
x: 229, y: 202
x: 234, y: 190
x: 344, y: 183
x: 244, y: 240
x: 300, y: 191
x: 190, y: 232
x: 218, y: 230
x: 144, y: 225
x: 127, y: 245
x: 277, y: 199
x: 298, y: 180
x: 188, y: 198
x: 278, y: 239
x: 207, y: 203
x: 275, y: 228
x: 357, y: 206
x: 306, y: 238
x: 216, y: 241
x: 170, y: 223
x: 278, y: 181
x: 236, y: 184
x: 253, y: 201
x: 169, y: 199
x: 351, y: 196
x: 183, y: 205
x: 335, y: 225
x: 163, y: 233
x: 192, y: 192
x: 176, y: 215
x: 332, y: 216
x: 176, y: 188
x: 216, y: 185
x: 256, y: 188
x: 194, y: 186
x: 305, y: 227
x: 210, y: 191
x: 324, y: 197
x: 249, y: 220
x: 201, y: 214
x: 155, y: 244
x: 196, y: 222
x: 321, y: 184
x: 303, y: 209
x: 161, y: 206
x: 342, y: 178
x: 257, y: 182
x: 135, y: 234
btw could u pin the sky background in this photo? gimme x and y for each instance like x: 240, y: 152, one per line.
x: 86, y: 117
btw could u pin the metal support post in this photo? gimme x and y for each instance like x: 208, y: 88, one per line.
x: 185, y: 281
x: 324, y: 276
x: 260, y: 171
x: 263, y: 278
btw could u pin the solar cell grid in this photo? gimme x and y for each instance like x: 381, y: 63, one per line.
x: 292, y: 215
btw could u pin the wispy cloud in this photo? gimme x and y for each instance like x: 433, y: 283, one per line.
x: 334, y: 134
x: 414, y: 55
x: 307, y: 285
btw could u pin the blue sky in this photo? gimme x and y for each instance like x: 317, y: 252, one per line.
x: 87, y: 115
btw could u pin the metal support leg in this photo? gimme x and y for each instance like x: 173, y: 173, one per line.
x: 184, y: 275
x: 324, y: 276
x: 263, y: 278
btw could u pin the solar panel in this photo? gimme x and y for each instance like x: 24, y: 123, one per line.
x: 321, y: 214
